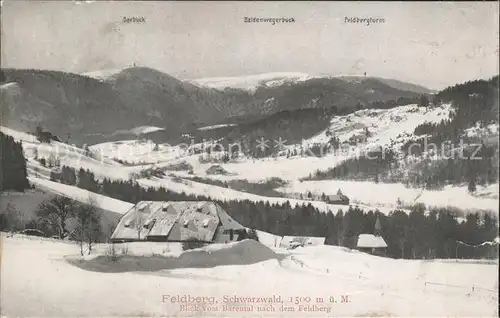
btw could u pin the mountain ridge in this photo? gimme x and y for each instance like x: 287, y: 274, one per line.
x: 93, y: 109
x: 252, y: 81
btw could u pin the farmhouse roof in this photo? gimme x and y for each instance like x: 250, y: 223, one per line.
x: 174, y: 221
x: 371, y: 241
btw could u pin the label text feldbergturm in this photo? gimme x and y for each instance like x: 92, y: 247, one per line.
x: 367, y: 21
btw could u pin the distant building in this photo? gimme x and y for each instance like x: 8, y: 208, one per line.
x: 295, y: 241
x: 161, y: 221
x: 338, y: 198
x: 373, y: 243
x: 216, y: 169
x: 56, y: 174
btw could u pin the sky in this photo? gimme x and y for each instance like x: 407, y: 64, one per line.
x: 435, y: 44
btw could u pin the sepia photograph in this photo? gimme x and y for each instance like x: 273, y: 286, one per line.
x: 249, y: 159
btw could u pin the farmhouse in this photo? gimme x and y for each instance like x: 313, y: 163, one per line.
x: 338, y: 198
x: 177, y: 222
x: 295, y: 241
x: 373, y: 243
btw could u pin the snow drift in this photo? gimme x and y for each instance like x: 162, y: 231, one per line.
x: 245, y: 252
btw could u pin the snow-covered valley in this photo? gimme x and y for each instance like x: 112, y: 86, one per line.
x: 388, y: 128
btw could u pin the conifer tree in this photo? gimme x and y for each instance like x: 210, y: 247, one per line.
x: 13, y: 174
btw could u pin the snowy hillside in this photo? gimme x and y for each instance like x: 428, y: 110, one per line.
x: 251, y: 82
x: 103, y: 74
x: 81, y: 195
x: 374, y: 286
x: 109, y: 169
x: 196, y: 188
x: 67, y: 155
x: 145, y: 130
x: 389, y: 127
x: 385, y: 125
x: 216, y: 126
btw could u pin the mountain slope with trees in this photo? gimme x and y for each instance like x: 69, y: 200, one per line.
x: 94, y: 109
x: 461, y: 157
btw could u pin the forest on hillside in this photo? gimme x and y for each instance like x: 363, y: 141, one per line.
x: 13, y: 175
x: 463, y: 159
x: 421, y: 233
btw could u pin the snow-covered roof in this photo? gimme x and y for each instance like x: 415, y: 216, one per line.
x: 337, y: 197
x: 371, y: 241
x: 227, y: 222
x: 173, y: 221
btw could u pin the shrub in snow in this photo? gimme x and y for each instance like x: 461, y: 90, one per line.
x: 111, y: 253
x: 252, y: 234
x: 11, y: 218
x: 191, y: 243
x: 183, y: 165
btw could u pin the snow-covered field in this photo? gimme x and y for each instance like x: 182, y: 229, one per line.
x: 135, y: 151
x: 216, y: 126
x: 142, y: 130
x: 386, y: 195
x: 64, y: 285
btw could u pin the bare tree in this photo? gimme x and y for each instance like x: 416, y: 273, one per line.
x: 51, y: 161
x: 88, y: 217
x: 56, y: 212
x: 139, y: 223
x: 94, y: 221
